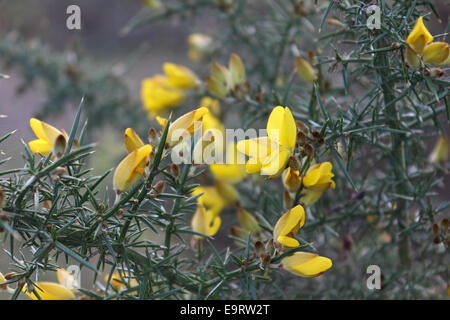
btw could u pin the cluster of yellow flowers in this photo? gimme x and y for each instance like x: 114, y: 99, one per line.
x: 161, y: 92
x: 420, y: 47
x: 67, y: 286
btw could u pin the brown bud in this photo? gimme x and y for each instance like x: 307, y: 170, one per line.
x: 259, y: 248
x: 270, y: 249
x: 315, y: 134
x: 265, y: 260
x: 309, y: 150
x: 159, y: 187
x: 321, y: 141
x: 435, y: 228
x: 396, y: 45
x: 445, y: 224
x: 293, y: 163
x: 437, y: 239
x: 301, y: 137
x: 301, y: 126
x: 2, y: 198
x: 436, y: 73
x: 9, y: 275
x: 174, y: 170
x: 152, y: 136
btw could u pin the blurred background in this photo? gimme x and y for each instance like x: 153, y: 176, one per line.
x: 40, y: 28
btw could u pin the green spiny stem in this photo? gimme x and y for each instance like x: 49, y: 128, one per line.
x: 398, y: 148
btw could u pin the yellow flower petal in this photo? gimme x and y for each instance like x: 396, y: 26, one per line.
x: 281, y: 127
x: 185, y: 123
x: 132, y: 140
x: 419, y: 37
x: 306, y: 264
x: 288, y: 241
x: 50, y: 291
x: 179, y: 76
x: 288, y: 223
x: 158, y: 95
x: 131, y: 168
x: 40, y: 146
x: 436, y: 53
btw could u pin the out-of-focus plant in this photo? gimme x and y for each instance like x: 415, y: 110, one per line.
x: 349, y: 173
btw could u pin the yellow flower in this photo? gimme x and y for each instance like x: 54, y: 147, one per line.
x: 419, y: 40
x: 419, y: 37
x: 305, y: 264
x: 412, y: 58
x: 305, y: 70
x: 67, y: 280
x: 436, y: 53
x: 233, y: 171
x: 2, y: 279
x: 158, y: 95
x: 215, y: 198
x: 199, y: 45
x: 212, y: 104
x: 131, y: 168
x: 185, y: 123
x: 180, y: 77
x: 210, y: 199
x: 118, y: 280
x: 269, y: 155
x: 47, y: 136
x: 132, y: 140
x: 441, y: 151
x: 316, y: 181
x: 50, y: 291
x: 291, y: 179
x: 205, y: 222
x: 213, y: 133
x: 288, y: 225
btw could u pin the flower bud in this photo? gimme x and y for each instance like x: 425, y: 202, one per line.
x: 152, y: 136
x: 412, y: 59
x: 436, y: 239
x: 301, y: 126
x: 259, y: 248
x: 445, y: 224
x: 248, y: 221
x: 309, y: 150
x: 269, y: 247
x: 265, y: 260
x: 305, y: 70
x: 174, y: 170
x: 59, y: 146
x: 435, y: 228
x: 436, y: 73
x: 441, y: 151
x: 301, y: 138
x: 158, y: 188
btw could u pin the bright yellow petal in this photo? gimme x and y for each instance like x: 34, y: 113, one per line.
x: 436, y: 53
x: 179, y: 76
x: 281, y: 127
x: 130, y: 169
x: 274, y: 165
x: 312, y: 176
x: 40, y: 146
x: 295, y: 220
x: 50, y: 291
x: 214, y: 226
x: 186, y: 123
x: 288, y: 241
x: 306, y: 264
x: 132, y: 140
x: 419, y: 36
x: 45, y: 131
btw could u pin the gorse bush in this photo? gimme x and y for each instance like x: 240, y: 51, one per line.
x: 342, y: 178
